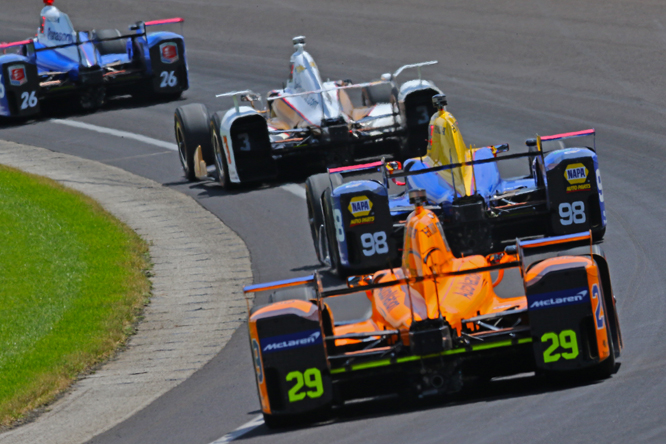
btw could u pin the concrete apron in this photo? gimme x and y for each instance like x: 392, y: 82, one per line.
x: 200, y: 267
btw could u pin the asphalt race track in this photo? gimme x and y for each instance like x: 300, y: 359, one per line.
x: 511, y: 69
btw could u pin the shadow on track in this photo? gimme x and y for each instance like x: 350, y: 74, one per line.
x: 63, y: 109
x: 211, y: 188
x: 385, y: 406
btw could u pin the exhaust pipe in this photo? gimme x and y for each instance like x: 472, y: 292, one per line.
x: 437, y: 381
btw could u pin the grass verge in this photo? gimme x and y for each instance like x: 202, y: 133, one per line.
x: 73, y: 281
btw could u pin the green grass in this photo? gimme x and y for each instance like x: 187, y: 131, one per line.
x: 72, y: 284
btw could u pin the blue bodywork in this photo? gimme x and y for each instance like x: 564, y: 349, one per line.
x: 545, y: 203
x: 487, y: 178
x: 66, y: 67
x: 351, y: 188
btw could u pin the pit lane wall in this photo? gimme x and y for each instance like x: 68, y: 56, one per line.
x: 200, y: 268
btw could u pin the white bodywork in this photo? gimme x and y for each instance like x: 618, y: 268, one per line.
x: 57, y: 30
x: 313, y: 100
x: 226, y: 142
x: 305, y: 77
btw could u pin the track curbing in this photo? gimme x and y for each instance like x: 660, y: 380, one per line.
x: 199, y: 269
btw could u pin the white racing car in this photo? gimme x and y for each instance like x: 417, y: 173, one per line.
x: 309, y: 123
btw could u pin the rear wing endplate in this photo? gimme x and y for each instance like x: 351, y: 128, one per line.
x: 414, y: 65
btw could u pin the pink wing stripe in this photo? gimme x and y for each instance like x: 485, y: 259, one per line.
x: 9, y: 45
x: 355, y: 167
x: 165, y: 21
x: 565, y: 135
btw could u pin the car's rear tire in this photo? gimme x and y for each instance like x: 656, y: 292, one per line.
x: 382, y: 93
x: 112, y: 46
x: 220, y: 159
x: 314, y: 189
x: 191, y: 128
x: 302, y: 293
x: 331, y: 243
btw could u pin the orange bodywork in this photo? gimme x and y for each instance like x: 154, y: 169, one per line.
x: 455, y: 297
x: 302, y: 308
x: 594, y: 287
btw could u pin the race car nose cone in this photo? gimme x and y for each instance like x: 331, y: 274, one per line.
x: 48, y: 2
x: 417, y: 197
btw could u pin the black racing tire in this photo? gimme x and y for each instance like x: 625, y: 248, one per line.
x: 336, y: 180
x: 315, y: 186
x: 382, y: 93
x: 93, y: 98
x: 303, y: 293
x: 329, y: 229
x: 111, y: 46
x: 191, y: 128
x: 256, y: 307
x: 598, y: 234
x: 219, y: 157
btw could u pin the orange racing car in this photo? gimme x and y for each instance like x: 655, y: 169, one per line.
x: 434, y: 324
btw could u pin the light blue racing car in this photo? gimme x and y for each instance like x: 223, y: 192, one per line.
x: 61, y: 63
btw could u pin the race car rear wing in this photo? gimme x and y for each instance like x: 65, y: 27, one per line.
x: 5, y: 46
x: 558, y: 140
x: 413, y: 65
x: 390, y: 172
x: 533, y: 246
x: 353, y: 169
x: 164, y: 22
x: 136, y: 27
x: 362, y: 85
x: 484, y: 329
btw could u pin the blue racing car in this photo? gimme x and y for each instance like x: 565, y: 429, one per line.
x: 357, y: 226
x: 89, y: 65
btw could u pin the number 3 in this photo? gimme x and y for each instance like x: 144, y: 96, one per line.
x: 245, y: 137
x: 424, y: 117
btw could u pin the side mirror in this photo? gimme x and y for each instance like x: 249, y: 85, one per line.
x: 392, y: 166
x: 251, y: 97
x: 359, y: 281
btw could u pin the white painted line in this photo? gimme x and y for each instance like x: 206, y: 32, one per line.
x: 117, y: 133
x: 294, y: 189
x: 242, y: 430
